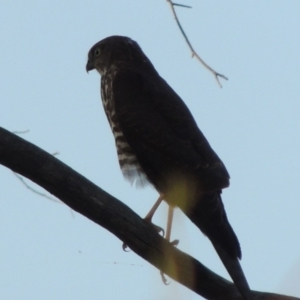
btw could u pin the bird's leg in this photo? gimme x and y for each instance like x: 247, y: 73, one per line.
x: 152, y: 211
x: 149, y: 217
x: 169, y: 226
x: 169, y: 222
x: 168, y: 237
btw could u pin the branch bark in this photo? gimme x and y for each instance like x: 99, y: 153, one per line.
x: 94, y: 203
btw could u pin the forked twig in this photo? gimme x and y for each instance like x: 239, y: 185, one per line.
x: 194, y: 53
x: 181, y: 5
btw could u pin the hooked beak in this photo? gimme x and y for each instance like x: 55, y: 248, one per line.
x: 89, y: 66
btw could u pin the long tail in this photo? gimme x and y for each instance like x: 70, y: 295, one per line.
x: 209, y: 215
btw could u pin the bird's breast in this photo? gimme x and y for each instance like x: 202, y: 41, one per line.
x: 129, y: 164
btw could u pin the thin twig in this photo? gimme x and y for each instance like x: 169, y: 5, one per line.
x: 21, y: 132
x: 194, y: 53
x: 34, y: 190
x: 181, y: 5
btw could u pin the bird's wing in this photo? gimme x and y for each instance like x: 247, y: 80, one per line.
x: 155, y: 120
x: 160, y: 129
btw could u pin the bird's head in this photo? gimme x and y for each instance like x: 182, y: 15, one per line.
x: 115, y: 51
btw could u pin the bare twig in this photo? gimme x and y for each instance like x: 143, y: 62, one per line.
x: 181, y: 5
x: 34, y: 190
x: 194, y: 53
x: 21, y: 132
x: 25, y: 183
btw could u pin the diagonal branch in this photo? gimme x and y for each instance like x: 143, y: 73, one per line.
x: 91, y: 201
x: 194, y: 53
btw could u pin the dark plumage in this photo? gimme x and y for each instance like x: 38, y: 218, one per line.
x: 158, y: 140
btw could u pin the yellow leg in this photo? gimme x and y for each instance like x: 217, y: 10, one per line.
x: 149, y: 217
x: 169, y: 222
x: 168, y: 237
x: 152, y: 211
x: 169, y: 226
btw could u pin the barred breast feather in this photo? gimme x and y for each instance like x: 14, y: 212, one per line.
x: 129, y: 164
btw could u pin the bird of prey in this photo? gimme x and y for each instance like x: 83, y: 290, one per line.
x: 158, y: 141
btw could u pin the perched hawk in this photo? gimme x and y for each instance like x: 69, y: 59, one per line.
x: 158, y: 141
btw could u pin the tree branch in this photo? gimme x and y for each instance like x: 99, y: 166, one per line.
x: 91, y: 201
x: 194, y: 53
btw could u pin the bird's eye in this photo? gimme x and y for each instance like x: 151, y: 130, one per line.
x: 97, y: 52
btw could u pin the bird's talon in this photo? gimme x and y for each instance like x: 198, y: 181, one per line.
x: 125, y: 247
x: 163, y: 278
x: 175, y: 243
x: 157, y: 228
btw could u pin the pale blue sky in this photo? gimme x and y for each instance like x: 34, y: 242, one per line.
x: 48, y: 252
